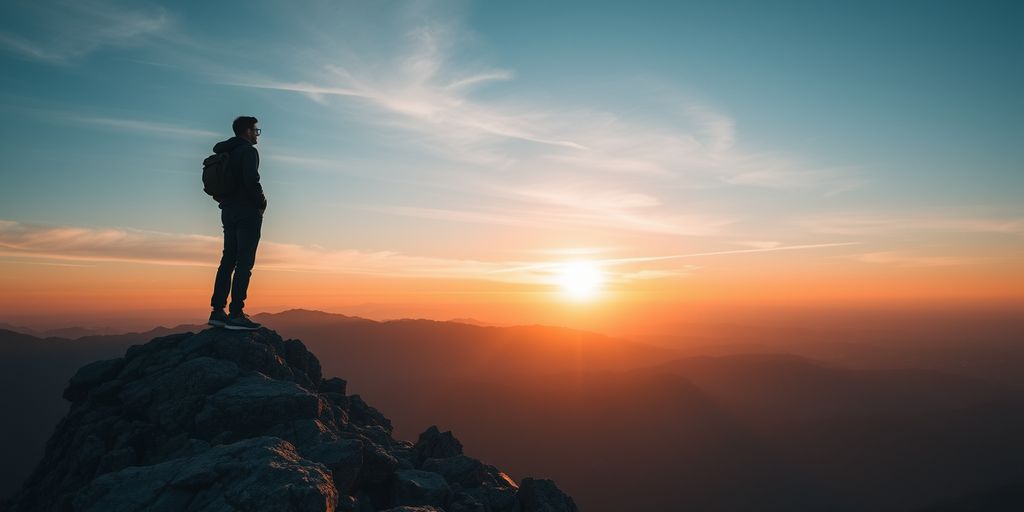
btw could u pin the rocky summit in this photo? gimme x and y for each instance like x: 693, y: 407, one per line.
x: 243, y: 420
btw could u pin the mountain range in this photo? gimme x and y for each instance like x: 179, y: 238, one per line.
x: 784, y: 424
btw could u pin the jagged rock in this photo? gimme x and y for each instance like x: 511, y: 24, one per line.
x: 333, y: 385
x: 237, y: 420
x: 434, y: 444
x: 467, y: 471
x: 480, y: 482
x: 496, y: 498
x: 262, y: 473
x: 539, y: 495
x: 360, y: 412
x: 90, y: 375
x: 417, y: 487
x: 253, y: 404
x: 344, y: 457
x: 463, y: 502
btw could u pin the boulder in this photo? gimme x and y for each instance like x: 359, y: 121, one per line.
x: 91, y: 375
x: 263, y: 473
x: 435, y: 444
x: 416, y: 487
x: 540, y: 495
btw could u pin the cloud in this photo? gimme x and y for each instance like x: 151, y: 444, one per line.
x: 759, y: 244
x: 70, y: 245
x: 856, y: 223
x: 64, y: 244
x: 161, y: 248
x: 642, y: 275
x: 539, y: 162
x: 903, y: 259
x: 454, y: 215
x: 590, y: 200
x: 146, y: 126
x: 571, y: 251
x: 66, y: 30
x: 613, y: 219
x: 639, y: 259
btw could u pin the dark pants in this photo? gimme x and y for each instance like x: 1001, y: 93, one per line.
x: 241, y: 236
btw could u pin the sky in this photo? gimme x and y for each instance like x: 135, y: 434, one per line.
x: 491, y: 159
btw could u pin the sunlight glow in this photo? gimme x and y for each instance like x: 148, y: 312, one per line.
x: 580, y: 279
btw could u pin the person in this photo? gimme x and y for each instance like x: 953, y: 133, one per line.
x: 242, y: 217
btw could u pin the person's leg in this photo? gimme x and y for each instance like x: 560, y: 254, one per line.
x: 222, y: 283
x: 248, y: 230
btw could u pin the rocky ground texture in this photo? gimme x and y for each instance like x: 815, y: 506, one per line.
x: 243, y: 420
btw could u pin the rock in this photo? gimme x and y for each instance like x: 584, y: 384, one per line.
x: 333, y: 385
x: 467, y: 472
x: 406, y: 508
x: 496, y: 498
x: 262, y: 473
x: 378, y: 464
x: 462, y: 502
x: 244, y: 420
x: 434, y: 444
x: 416, y: 487
x: 360, y: 412
x: 115, y: 460
x: 536, y: 495
x: 482, y: 483
x: 253, y: 404
x: 90, y: 375
x: 344, y: 457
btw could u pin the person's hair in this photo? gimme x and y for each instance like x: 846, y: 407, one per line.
x: 243, y: 123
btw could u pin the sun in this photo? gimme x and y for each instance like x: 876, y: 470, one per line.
x: 580, y: 279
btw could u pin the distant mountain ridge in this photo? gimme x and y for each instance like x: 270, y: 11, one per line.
x: 746, y: 428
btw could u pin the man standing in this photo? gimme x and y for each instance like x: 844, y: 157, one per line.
x: 242, y: 217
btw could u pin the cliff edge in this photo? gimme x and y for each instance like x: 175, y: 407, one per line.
x: 243, y: 420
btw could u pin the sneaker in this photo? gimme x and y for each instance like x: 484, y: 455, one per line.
x: 218, y: 318
x: 240, y: 322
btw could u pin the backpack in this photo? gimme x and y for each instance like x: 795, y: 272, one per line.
x: 217, y: 180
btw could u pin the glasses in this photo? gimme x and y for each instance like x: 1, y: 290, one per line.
x: 257, y: 130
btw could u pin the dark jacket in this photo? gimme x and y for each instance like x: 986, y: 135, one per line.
x: 243, y: 165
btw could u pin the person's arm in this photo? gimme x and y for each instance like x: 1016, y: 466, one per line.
x: 251, y: 177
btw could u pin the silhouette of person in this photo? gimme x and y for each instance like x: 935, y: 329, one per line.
x: 242, y: 217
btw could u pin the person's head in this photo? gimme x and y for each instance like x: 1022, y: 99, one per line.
x: 245, y: 127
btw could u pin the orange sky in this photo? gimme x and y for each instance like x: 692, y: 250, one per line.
x: 619, y: 304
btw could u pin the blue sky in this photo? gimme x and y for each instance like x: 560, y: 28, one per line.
x: 467, y: 137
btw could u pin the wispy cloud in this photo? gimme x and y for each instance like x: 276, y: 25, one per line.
x: 70, y: 245
x: 63, y: 244
x: 759, y: 244
x: 611, y: 219
x: 62, y: 31
x: 855, y: 223
x: 643, y: 275
x: 638, y: 259
x: 454, y: 215
x: 904, y: 259
x: 161, y: 248
x: 145, y: 126
x: 571, y: 251
x: 420, y: 99
x: 522, y: 145
x: 50, y: 264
